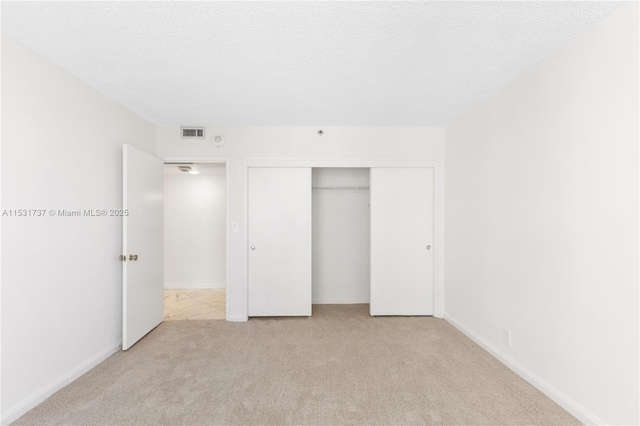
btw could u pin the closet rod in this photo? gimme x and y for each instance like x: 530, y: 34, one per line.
x: 342, y: 187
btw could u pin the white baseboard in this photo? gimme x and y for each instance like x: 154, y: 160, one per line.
x: 22, y: 407
x: 342, y: 301
x: 575, y: 409
x: 193, y: 286
x: 237, y: 319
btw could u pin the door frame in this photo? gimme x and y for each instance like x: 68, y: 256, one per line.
x: 360, y: 162
x: 211, y: 160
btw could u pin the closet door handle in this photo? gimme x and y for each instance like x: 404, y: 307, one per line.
x: 253, y: 247
x: 428, y: 247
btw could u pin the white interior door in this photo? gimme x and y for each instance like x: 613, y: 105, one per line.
x: 401, y: 241
x: 142, y: 279
x: 279, y: 229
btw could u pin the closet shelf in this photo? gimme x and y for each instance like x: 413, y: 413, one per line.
x: 358, y: 188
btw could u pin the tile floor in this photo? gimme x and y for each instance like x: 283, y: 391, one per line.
x: 194, y: 304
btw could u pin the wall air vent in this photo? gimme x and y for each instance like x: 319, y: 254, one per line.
x: 190, y: 132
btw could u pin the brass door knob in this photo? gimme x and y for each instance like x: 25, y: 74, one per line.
x: 133, y: 257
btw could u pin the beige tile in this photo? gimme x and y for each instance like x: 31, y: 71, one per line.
x: 195, y: 310
x: 174, y: 296
x: 212, y: 297
x: 195, y: 293
x: 195, y: 304
x: 170, y: 315
x: 181, y: 304
x: 211, y: 301
x: 219, y: 308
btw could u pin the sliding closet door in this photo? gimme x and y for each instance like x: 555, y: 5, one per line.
x: 279, y: 227
x: 401, y: 241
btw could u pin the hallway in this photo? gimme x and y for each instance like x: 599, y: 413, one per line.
x: 195, y: 304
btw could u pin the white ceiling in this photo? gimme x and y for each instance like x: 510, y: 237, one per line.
x: 298, y: 63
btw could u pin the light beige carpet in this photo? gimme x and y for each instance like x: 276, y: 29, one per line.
x: 338, y: 367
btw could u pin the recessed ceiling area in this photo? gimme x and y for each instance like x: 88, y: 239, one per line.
x: 298, y: 63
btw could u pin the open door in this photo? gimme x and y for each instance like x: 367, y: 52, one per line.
x: 142, y: 243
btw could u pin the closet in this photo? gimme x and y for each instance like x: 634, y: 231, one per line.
x: 340, y: 235
x: 283, y: 244
x: 401, y: 241
x: 279, y: 224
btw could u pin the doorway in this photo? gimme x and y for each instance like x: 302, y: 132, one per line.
x: 194, y: 241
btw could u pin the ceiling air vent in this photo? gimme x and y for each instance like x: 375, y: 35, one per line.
x: 192, y: 132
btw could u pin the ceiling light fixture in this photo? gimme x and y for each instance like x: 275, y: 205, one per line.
x: 189, y: 169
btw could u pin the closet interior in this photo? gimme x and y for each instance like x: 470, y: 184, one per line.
x: 340, y: 236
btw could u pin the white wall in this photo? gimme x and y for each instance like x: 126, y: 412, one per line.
x: 299, y: 143
x: 341, y: 236
x: 194, y: 231
x: 542, y: 222
x: 61, y: 277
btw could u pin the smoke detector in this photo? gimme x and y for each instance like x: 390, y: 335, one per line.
x: 217, y: 140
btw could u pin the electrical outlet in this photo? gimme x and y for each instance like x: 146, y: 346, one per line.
x: 506, y: 337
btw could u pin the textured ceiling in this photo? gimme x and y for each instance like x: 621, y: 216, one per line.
x: 298, y: 63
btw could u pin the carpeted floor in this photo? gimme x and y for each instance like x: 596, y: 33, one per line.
x: 338, y: 367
